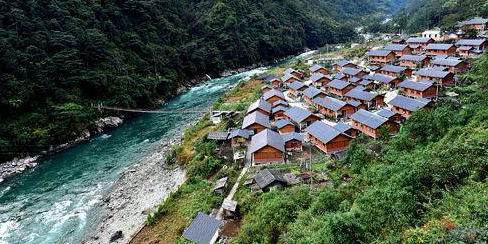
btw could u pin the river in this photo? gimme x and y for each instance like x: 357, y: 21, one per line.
x: 50, y: 204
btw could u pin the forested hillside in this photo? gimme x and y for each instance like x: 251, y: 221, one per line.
x: 428, y: 184
x: 57, y: 57
x: 419, y: 15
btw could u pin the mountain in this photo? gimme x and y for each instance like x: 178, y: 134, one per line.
x: 58, y: 57
x: 418, y: 15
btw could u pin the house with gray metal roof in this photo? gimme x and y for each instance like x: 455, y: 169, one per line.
x: 421, y: 89
x: 203, y: 229
x: 274, y: 96
x: 280, y: 102
x: 397, y: 71
x: 440, y: 49
x: 477, y: 24
x: 300, y: 116
x: 267, y: 179
x: 399, y: 49
x: 353, y: 72
x: 406, y: 106
x: 289, y: 78
x: 368, y: 99
x: 414, y: 61
x: 369, y: 123
x: 311, y: 93
x: 293, y: 141
x: 340, y: 87
x: 267, y: 147
x: 297, y: 87
x: 256, y: 122
x: 452, y: 65
x: 479, y: 44
x: 293, y: 72
x: 386, y: 81
x: 285, y: 126
x: 334, y: 108
x: 381, y: 56
x: 260, y: 106
x: 327, y: 138
x: 346, y: 129
x: 278, y: 112
x: 320, y: 80
x: 318, y: 69
x: 338, y: 66
x: 390, y: 115
x: 440, y: 77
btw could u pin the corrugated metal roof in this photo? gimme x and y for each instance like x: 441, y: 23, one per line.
x: 282, y: 123
x: 330, y: 103
x: 409, y: 103
x: 280, y: 102
x: 296, y: 85
x: 380, y: 53
x: 239, y: 133
x: 288, y: 76
x: 470, y: 42
x: 351, y: 71
x: 395, y: 47
x: 365, y: 82
x: 279, y: 108
x: 290, y: 70
x: 361, y: 95
x: 266, y: 177
x: 447, y: 62
x: 312, y: 92
x: 297, y: 114
x: 338, y: 84
x: 416, y: 85
x: 385, y: 113
x: 273, y: 93
x: 354, y: 79
x: 256, y: 117
x: 259, y: 104
x: 316, y: 67
x: 433, y: 46
x: 354, y: 103
x: 476, y: 22
x: 393, y: 68
x: 220, y: 183
x: 432, y: 73
x: 465, y: 48
x: 370, y: 119
x: 317, y: 77
x: 342, y: 127
x: 292, y: 136
x: 325, y: 133
x: 419, y: 40
x: 415, y: 58
x: 386, y: 79
x: 343, y: 63
x: 202, y: 229
x: 266, y: 138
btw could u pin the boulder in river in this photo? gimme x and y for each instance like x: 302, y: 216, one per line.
x: 117, y: 235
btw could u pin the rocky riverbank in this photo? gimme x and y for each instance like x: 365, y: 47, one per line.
x: 19, y: 165
x: 140, y: 189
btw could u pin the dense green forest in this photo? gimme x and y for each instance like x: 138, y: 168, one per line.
x: 419, y: 15
x: 428, y: 184
x: 58, y: 57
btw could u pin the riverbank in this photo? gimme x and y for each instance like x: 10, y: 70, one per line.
x: 125, y: 206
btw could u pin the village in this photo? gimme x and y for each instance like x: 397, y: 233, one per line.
x: 307, y: 119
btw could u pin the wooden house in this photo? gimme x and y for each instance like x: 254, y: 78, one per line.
x: 367, y: 83
x: 311, y: 93
x: 293, y: 72
x: 266, y: 88
x: 343, y: 64
x: 327, y: 138
x: 419, y: 89
x: 340, y: 87
x: 268, y: 179
x: 369, y: 123
x: 285, y: 126
x: 419, y: 44
x: 368, y: 99
x: 256, y: 122
x: 399, y: 49
x: 453, y: 65
x: 289, y: 78
x: 319, y: 80
x: 381, y: 57
x: 442, y: 78
x: 386, y: 81
x: 273, y: 96
x: 406, y: 106
x: 373, y: 69
x: 239, y: 138
x: 440, y: 49
x: 275, y: 82
x: 390, y: 115
x: 478, y: 44
x: 353, y: 72
x: 318, y: 69
x: 267, y: 147
x: 278, y: 112
x: 414, y: 61
x: 293, y: 142
x: 260, y: 106
x: 465, y: 51
x: 346, y: 129
x: 334, y: 108
x: 300, y: 117
x: 297, y: 87
x: 397, y: 71
x: 476, y: 24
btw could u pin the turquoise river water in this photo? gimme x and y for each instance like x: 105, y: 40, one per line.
x: 50, y: 204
